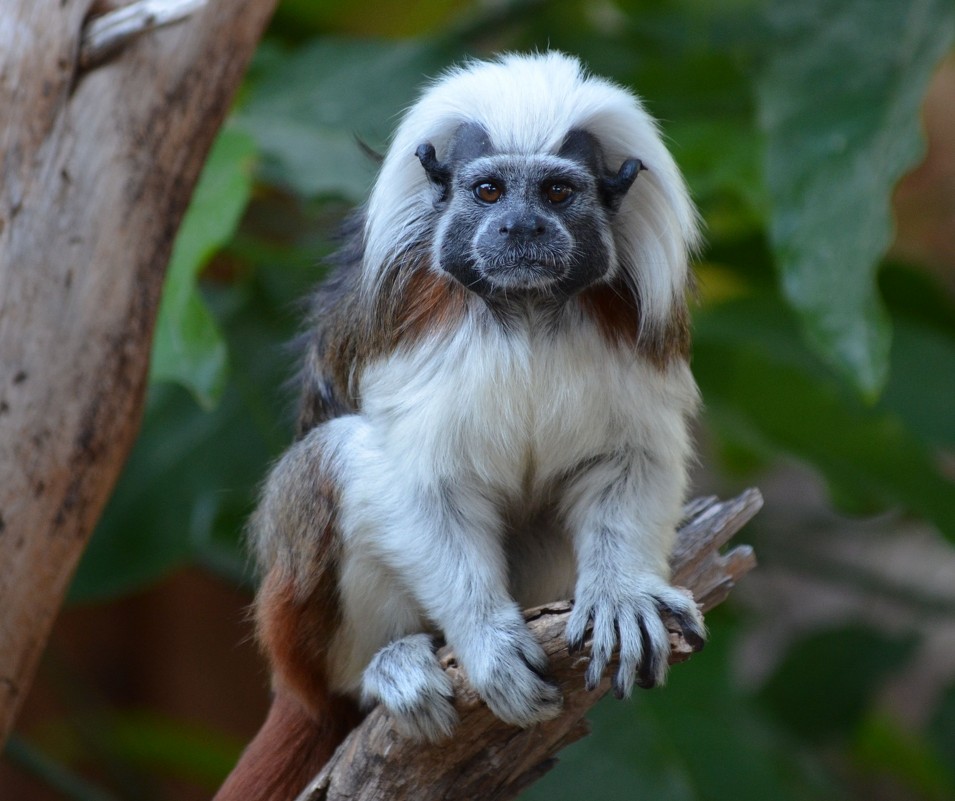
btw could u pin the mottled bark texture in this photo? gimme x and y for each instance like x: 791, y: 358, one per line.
x: 96, y: 169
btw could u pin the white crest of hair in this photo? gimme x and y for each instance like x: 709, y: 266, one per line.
x: 528, y: 104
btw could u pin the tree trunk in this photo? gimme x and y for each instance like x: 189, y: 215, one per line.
x: 97, y: 165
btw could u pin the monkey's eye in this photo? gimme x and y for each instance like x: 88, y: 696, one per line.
x: 488, y: 192
x: 558, y: 193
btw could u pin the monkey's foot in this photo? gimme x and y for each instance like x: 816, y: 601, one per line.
x: 406, y: 679
x: 626, y: 614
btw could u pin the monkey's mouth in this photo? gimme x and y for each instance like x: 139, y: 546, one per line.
x: 518, y: 269
x: 522, y: 275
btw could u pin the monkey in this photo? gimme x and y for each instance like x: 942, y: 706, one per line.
x: 494, y: 414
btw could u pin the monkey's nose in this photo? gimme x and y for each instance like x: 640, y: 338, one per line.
x: 524, y: 226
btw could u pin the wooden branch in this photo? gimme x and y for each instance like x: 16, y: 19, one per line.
x: 487, y: 758
x: 96, y: 170
x: 105, y: 35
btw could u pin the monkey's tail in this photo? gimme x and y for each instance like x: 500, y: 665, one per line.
x: 289, y: 750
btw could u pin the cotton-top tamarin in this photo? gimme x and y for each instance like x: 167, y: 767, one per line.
x: 494, y: 410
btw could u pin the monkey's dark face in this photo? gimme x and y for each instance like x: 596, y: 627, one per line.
x: 516, y: 223
x: 513, y: 224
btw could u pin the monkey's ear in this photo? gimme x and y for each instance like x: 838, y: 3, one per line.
x: 614, y: 188
x: 582, y: 146
x: 439, y: 173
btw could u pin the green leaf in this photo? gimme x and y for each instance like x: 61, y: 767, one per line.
x: 309, y: 107
x: 170, y: 747
x: 185, y: 474
x: 188, y: 347
x: 296, y: 19
x: 840, y: 101
x: 720, y: 162
x: 823, y: 688
x: 942, y: 728
x: 884, y: 748
x: 763, y: 388
x: 191, y: 478
x: 921, y: 386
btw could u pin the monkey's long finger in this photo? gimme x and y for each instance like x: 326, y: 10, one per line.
x: 692, y: 628
x: 576, y: 630
x: 631, y: 655
x: 540, y: 670
x: 650, y: 664
x: 601, y: 647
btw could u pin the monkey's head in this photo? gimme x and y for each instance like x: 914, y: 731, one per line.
x: 519, y: 175
x: 515, y: 223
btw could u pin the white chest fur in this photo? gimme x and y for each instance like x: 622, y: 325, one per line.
x: 523, y: 404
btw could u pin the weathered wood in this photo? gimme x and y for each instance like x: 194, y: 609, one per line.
x: 96, y: 169
x: 104, y: 35
x: 490, y: 760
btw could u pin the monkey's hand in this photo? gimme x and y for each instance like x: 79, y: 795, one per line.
x: 407, y: 680
x: 625, y: 613
x: 508, y: 669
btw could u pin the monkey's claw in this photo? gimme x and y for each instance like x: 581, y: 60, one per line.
x: 625, y: 615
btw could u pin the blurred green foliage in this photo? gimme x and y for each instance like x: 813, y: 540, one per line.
x: 793, y: 120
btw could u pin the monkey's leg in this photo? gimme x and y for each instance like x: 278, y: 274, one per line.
x: 296, y: 629
x: 382, y: 648
x: 623, y: 511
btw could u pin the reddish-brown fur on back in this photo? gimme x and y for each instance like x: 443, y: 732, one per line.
x: 295, y: 630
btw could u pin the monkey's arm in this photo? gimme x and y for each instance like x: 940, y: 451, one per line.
x: 623, y: 511
x: 445, y: 543
x: 375, y: 765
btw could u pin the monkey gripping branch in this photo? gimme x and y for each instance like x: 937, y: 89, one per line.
x: 494, y: 413
x: 488, y: 759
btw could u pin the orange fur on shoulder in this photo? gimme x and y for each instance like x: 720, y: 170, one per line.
x: 426, y: 303
x: 615, y: 309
